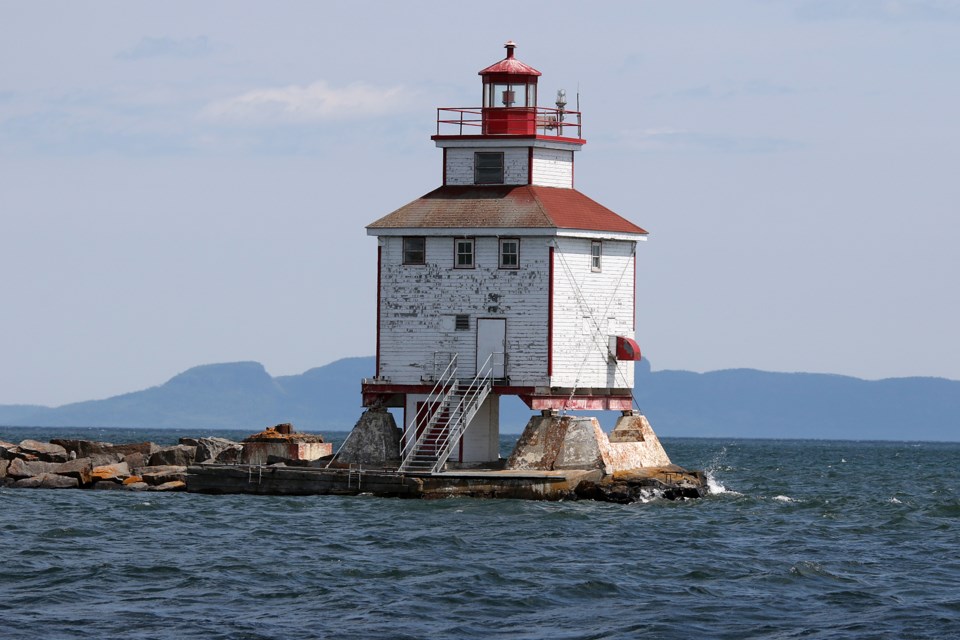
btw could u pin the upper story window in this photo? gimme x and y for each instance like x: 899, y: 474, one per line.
x: 596, y: 253
x: 414, y: 250
x: 488, y: 167
x: 463, y: 253
x: 509, y: 253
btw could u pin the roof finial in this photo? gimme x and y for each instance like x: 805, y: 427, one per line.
x: 510, y: 46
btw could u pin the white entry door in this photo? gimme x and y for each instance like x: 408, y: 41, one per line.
x: 492, y: 343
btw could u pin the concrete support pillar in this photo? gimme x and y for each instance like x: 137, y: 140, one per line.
x: 550, y: 442
x: 374, y: 441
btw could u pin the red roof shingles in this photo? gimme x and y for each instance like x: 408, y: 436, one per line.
x: 502, y: 206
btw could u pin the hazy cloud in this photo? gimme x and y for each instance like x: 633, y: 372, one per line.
x: 662, y: 139
x: 731, y: 90
x: 167, y: 47
x: 885, y: 10
x: 313, y: 102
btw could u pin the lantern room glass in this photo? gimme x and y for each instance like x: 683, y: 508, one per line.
x: 501, y: 94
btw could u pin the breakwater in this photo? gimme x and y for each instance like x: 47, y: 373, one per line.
x: 221, y: 466
x: 64, y: 463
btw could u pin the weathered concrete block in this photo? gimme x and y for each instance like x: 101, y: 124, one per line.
x: 552, y: 442
x: 582, y: 446
x: 374, y: 441
x: 46, y: 451
x: 634, y: 445
x: 539, y: 444
x: 261, y: 452
x: 179, y: 455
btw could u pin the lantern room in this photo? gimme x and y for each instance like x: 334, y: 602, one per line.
x: 509, y: 96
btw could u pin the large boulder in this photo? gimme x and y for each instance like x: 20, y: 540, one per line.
x: 110, y: 473
x: 173, y: 485
x: 3, y: 467
x: 81, y: 469
x: 88, y: 448
x: 101, y: 459
x: 210, y: 449
x: 46, y: 481
x: 162, y: 474
x: 107, y: 485
x: 8, y: 450
x: 20, y: 468
x: 46, y: 451
x: 56, y: 481
x: 136, y: 461
x: 179, y: 455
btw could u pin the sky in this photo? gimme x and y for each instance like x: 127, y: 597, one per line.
x: 184, y: 183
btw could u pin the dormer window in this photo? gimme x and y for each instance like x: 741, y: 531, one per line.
x: 488, y: 167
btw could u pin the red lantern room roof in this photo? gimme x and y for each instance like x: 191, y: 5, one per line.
x: 509, y: 66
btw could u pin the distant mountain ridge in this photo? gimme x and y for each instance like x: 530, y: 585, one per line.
x: 728, y: 403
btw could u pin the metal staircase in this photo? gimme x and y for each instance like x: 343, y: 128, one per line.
x: 445, y: 419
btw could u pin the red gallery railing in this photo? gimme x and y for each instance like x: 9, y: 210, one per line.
x: 540, y: 121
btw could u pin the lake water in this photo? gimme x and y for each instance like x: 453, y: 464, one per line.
x: 799, y: 539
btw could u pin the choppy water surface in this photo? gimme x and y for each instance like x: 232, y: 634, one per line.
x: 799, y: 540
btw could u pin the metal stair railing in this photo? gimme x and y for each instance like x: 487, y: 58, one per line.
x: 470, y: 400
x: 431, y: 411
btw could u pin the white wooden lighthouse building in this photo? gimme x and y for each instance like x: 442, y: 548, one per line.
x: 505, y: 280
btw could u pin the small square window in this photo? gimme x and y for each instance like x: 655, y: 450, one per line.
x: 509, y: 253
x: 488, y: 167
x: 414, y: 250
x: 462, y: 322
x: 463, y: 253
x: 596, y: 252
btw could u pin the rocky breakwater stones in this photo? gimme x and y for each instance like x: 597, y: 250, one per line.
x: 86, y: 464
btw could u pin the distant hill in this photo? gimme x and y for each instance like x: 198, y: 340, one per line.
x: 731, y: 403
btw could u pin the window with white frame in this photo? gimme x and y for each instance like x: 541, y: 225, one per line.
x: 596, y: 253
x: 463, y: 253
x: 509, y: 253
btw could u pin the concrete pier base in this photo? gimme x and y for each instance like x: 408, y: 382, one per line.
x: 374, y: 441
x: 552, y: 442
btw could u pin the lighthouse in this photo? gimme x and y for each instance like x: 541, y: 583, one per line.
x: 505, y: 280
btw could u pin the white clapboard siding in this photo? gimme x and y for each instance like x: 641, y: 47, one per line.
x: 588, y: 308
x: 553, y: 168
x: 418, y: 305
x: 460, y: 165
